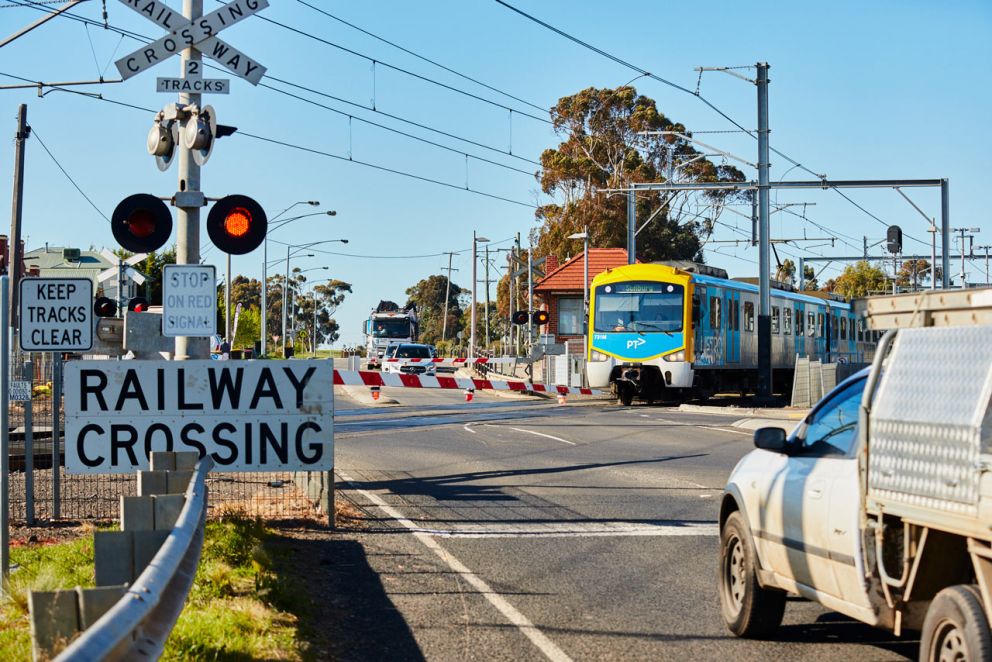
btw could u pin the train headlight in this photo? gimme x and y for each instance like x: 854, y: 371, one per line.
x: 676, y: 357
x: 597, y: 356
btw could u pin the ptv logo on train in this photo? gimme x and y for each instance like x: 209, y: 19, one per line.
x: 245, y: 415
x: 635, y: 343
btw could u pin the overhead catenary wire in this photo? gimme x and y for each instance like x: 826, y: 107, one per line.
x: 645, y: 73
x: 37, y: 136
x: 423, y: 58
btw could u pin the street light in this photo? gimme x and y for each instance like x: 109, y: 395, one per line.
x: 476, y: 240
x: 292, y: 328
x: 285, y: 284
x: 584, y: 236
x: 265, y: 259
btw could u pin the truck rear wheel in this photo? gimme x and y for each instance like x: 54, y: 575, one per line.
x: 955, y: 628
x: 748, y: 609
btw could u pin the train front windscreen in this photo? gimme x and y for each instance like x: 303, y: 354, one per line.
x: 639, y: 306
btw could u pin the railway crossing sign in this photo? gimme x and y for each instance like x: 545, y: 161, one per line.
x: 200, y: 34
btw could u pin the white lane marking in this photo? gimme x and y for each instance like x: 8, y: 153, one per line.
x: 574, y: 530
x: 468, y: 429
x: 541, y: 434
x: 707, y: 427
x: 528, y: 629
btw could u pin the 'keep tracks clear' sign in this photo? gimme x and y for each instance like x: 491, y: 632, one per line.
x: 246, y: 415
x: 56, y: 314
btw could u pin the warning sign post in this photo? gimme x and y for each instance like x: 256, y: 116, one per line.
x: 246, y: 415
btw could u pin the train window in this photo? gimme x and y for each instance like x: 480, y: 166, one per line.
x: 819, y: 325
x: 787, y: 320
x: 735, y: 316
x: 714, y: 312
x: 749, y: 316
x: 843, y: 328
x: 695, y: 309
x: 811, y: 324
x: 861, y: 329
x: 775, y: 319
x: 833, y: 328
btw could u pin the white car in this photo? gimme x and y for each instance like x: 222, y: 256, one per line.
x: 412, y: 359
x: 789, y: 519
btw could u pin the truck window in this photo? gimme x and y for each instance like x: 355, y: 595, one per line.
x: 831, y: 430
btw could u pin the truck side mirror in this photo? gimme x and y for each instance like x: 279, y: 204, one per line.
x: 770, y: 439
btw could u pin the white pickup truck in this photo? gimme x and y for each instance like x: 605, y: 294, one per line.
x: 879, y: 504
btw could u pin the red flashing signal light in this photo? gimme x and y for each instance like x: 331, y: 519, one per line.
x: 141, y: 223
x: 138, y: 304
x: 520, y: 317
x: 237, y: 224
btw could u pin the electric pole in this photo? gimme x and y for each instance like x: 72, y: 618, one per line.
x: 488, y: 337
x: 14, y: 255
x: 970, y: 233
x: 447, y: 297
x: 764, y: 277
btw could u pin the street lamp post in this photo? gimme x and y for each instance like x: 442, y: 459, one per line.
x: 265, y: 261
x: 476, y: 240
x: 292, y: 328
x: 285, y: 284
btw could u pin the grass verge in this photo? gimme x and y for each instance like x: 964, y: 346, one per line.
x: 238, y: 608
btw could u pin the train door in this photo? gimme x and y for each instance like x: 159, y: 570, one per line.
x: 701, y: 312
x: 819, y: 335
x: 799, y: 320
x: 828, y: 330
x: 732, y: 325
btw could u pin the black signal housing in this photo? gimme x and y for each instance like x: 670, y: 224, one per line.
x: 104, y: 307
x: 520, y: 317
x: 141, y: 223
x: 237, y: 224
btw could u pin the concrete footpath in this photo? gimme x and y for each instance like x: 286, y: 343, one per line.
x: 753, y: 418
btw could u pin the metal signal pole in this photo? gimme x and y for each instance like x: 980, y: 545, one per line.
x: 764, y: 277
x: 188, y: 218
x: 447, y: 297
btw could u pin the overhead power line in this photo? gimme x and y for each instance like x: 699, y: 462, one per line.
x: 34, y: 134
x: 647, y: 74
x: 423, y: 58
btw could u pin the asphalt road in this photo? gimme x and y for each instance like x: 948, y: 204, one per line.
x: 509, y: 529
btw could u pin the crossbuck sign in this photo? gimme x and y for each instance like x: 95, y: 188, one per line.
x: 201, y: 34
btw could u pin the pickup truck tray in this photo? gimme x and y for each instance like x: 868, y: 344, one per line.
x: 930, y: 431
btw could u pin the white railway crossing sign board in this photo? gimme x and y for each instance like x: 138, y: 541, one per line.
x: 56, y: 314
x: 189, y: 300
x: 200, y: 34
x: 244, y: 415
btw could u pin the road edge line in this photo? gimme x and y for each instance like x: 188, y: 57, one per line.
x: 512, y: 614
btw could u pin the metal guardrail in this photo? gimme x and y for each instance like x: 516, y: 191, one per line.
x: 137, y: 626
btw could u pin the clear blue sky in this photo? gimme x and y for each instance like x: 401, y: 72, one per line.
x: 859, y: 90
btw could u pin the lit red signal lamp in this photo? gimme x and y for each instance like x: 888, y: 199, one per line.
x: 138, y: 304
x: 237, y: 224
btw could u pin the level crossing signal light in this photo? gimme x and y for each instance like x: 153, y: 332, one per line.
x: 138, y: 305
x: 104, y: 307
x: 540, y: 317
x: 237, y: 224
x: 537, y: 317
x: 893, y: 239
x: 520, y: 317
x: 141, y: 223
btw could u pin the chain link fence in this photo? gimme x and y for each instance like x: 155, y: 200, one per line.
x: 41, y: 490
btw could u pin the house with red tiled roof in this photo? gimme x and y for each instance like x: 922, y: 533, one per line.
x: 561, y: 292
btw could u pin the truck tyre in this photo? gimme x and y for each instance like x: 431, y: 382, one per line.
x: 748, y: 609
x: 955, y: 628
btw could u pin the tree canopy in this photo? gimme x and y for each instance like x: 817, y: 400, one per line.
x: 604, y: 146
x: 860, y: 279
x: 428, y: 298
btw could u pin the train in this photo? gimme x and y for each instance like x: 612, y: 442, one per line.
x: 677, y: 331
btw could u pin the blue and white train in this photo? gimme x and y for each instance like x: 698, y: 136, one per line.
x: 679, y: 330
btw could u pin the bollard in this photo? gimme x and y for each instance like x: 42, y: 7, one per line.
x: 375, y: 393
x: 469, y: 394
x: 561, y: 398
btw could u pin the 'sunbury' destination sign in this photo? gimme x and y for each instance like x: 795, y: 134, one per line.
x: 245, y: 415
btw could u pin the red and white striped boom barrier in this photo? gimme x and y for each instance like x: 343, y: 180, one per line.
x: 457, y: 361
x: 402, y: 380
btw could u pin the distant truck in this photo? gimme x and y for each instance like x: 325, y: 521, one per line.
x: 879, y: 504
x: 386, y: 324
